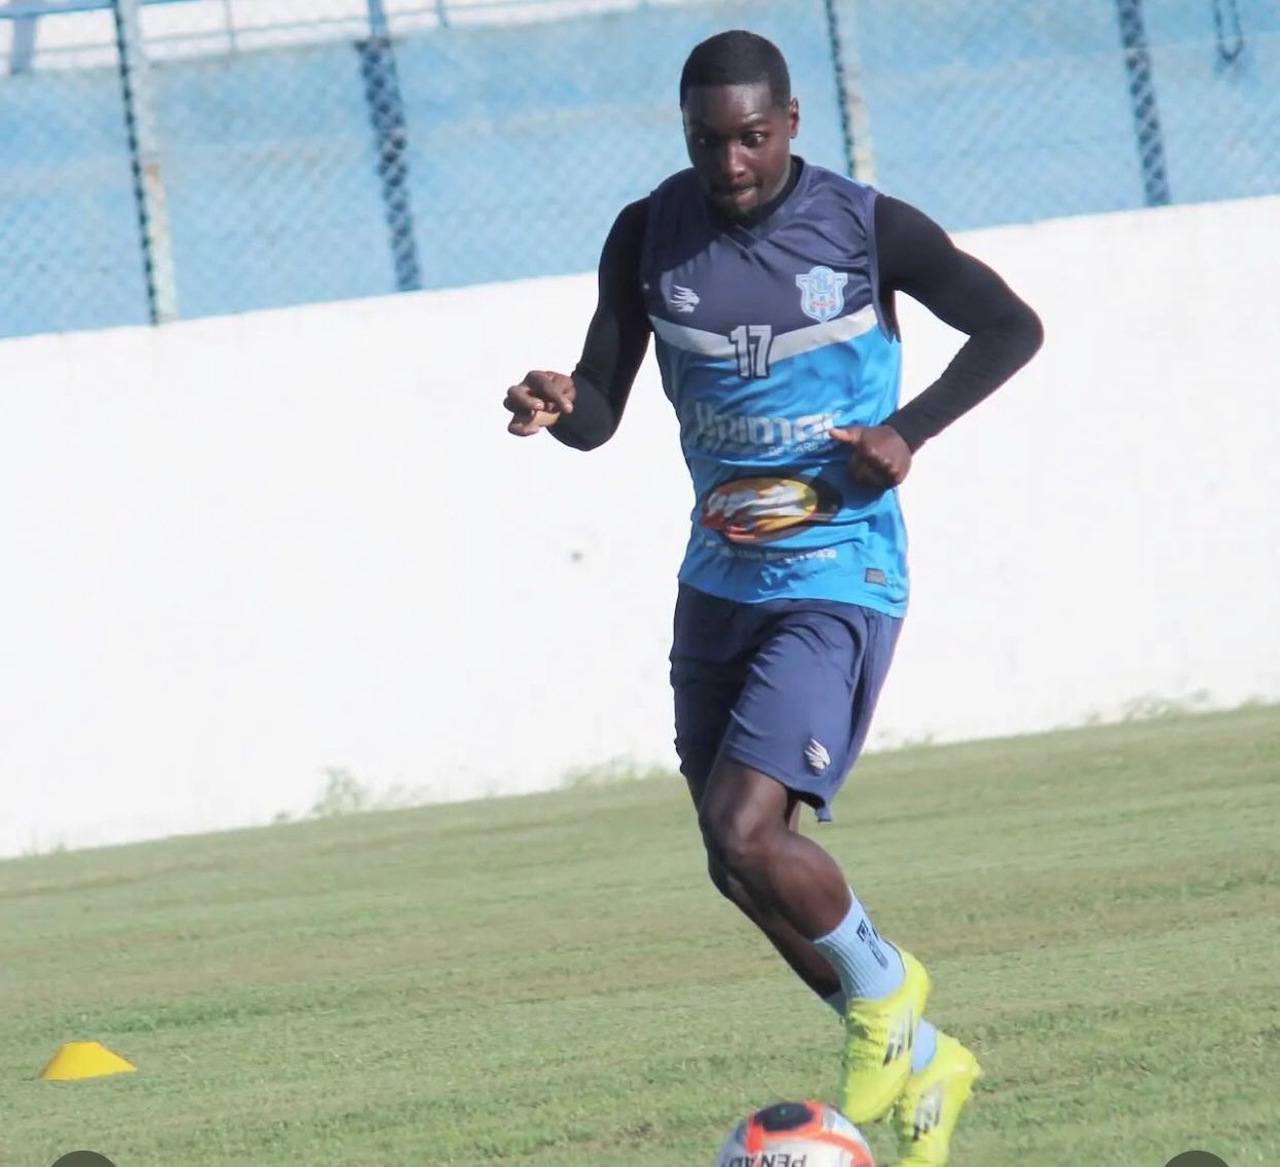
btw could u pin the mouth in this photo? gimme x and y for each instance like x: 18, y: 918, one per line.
x: 734, y: 198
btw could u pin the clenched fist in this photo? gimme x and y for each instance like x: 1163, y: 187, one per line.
x: 538, y: 401
x: 879, y: 456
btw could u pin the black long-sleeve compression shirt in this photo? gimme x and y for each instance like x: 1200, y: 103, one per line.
x: 915, y: 256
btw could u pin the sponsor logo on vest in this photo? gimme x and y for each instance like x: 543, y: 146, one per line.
x: 757, y: 510
x: 710, y: 430
x: 821, y: 293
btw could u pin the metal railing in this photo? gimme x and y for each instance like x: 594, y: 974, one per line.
x: 162, y: 159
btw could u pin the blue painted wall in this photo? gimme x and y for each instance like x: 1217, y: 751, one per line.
x: 523, y: 142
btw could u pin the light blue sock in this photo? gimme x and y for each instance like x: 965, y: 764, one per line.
x: 924, y: 1046
x: 866, y: 965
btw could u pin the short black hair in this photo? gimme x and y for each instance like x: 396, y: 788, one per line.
x: 737, y: 57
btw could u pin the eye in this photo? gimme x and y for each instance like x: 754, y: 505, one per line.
x: 753, y: 140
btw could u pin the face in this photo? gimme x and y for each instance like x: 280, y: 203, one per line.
x: 740, y: 144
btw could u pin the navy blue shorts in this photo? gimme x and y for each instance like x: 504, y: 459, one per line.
x: 787, y: 687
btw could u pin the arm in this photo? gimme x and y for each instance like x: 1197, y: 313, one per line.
x: 917, y: 257
x: 583, y: 411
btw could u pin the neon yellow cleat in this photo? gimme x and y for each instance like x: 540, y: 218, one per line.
x: 877, y: 1045
x: 926, y: 1115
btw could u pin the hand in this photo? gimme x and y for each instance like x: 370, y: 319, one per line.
x: 879, y: 456
x: 538, y: 401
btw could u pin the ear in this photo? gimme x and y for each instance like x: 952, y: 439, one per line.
x: 793, y: 118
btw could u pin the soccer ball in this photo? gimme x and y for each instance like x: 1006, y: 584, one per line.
x: 796, y: 1134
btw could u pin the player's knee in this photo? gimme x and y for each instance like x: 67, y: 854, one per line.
x: 722, y: 881
x: 736, y: 839
x: 732, y: 888
x: 720, y: 877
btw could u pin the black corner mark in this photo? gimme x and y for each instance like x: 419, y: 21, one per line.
x: 1195, y: 1159
x: 83, y: 1159
x: 785, y: 1116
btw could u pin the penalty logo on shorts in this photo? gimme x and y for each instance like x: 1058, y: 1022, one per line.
x: 815, y: 753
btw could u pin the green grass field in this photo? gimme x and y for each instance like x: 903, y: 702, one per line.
x: 552, y: 980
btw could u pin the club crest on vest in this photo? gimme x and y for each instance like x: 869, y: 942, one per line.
x: 821, y: 293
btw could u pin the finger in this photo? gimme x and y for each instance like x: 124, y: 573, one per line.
x: 850, y: 434
x: 861, y: 475
x: 554, y: 389
x: 523, y: 425
x: 522, y: 399
x: 530, y: 421
x: 867, y: 473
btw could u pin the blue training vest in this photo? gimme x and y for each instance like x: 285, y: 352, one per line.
x: 767, y: 337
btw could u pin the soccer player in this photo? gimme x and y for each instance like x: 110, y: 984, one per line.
x: 768, y: 285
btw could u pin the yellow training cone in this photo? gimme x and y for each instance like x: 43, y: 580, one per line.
x: 84, y: 1059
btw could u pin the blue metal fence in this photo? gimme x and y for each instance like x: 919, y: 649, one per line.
x: 383, y: 146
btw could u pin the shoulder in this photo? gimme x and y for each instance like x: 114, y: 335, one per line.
x: 669, y: 195
x: 630, y: 221
x: 620, y: 259
x: 822, y: 182
x: 674, y: 210
x: 893, y: 212
x: 906, y: 237
x: 680, y: 184
x: 676, y: 197
x: 846, y: 207
x: 628, y: 230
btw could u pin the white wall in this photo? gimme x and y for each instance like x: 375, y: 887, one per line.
x: 239, y: 551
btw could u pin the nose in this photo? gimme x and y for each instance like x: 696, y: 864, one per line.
x: 732, y: 162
